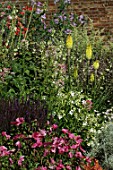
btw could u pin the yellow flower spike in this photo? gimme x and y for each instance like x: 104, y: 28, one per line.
x: 92, y: 77
x: 69, y: 42
x: 89, y: 52
x: 75, y: 73
x: 96, y: 64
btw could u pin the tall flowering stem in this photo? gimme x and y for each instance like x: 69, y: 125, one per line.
x: 29, y: 20
x: 88, y: 56
x: 96, y: 67
x: 69, y: 45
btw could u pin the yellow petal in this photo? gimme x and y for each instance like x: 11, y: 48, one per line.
x: 92, y: 77
x: 96, y: 64
x: 69, y: 42
x: 89, y: 52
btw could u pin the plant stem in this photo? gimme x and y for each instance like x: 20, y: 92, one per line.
x: 87, y: 77
x: 69, y: 76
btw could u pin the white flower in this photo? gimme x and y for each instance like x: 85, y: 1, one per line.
x: 84, y: 102
x: 60, y: 116
x: 10, y: 17
x: 71, y: 112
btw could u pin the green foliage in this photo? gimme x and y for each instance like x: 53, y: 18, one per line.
x: 35, y: 61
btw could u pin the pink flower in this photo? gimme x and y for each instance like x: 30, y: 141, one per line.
x: 52, y: 160
x: 65, y: 131
x: 18, y: 136
x: 61, y: 150
x: 70, y: 155
x: 46, y: 152
x: 11, y: 161
x: 37, y: 135
x: 87, y: 104
x: 4, y: 151
x: 82, y: 149
x: 5, y: 134
x: 54, y: 126
x: 60, y: 166
x: 43, y: 132
x: 78, y: 139
x: 78, y: 168
x: 45, y: 144
x: 68, y: 167
x: 55, y: 140
x: 79, y: 155
x: 75, y: 146
x: 21, y: 159
x: 18, y: 144
x: 18, y: 121
x: 88, y: 160
x: 37, y: 144
x: 53, y: 149
x: 71, y: 136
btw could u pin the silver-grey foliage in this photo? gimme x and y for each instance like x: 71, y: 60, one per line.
x: 103, y: 149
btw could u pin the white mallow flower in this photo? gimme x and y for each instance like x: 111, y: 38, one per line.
x: 60, y: 116
x: 84, y: 102
x: 72, y: 93
x: 92, y: 130
x: 71, y: 112
x: 84, y: 123
x: 10, y: 17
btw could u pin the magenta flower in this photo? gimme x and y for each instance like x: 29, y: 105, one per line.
x: 88, y: 160
x: 52, y: 160
x: 54, y: 126
x: 65, y: 131
x: 46, y: 152
x: 43, y: 132
x: 21, y: 159
x: 71, y: 136
x: 68, y: 167
x: 75, y: 146
x: 79, y: 155
x: 18, y: 121
x: 11, y: 161
x: 4, y: 151
x: 82, y: 149
x: 39, y: 135
x: 60, y: 166
x: 18, y: 136
x: 37, y: 144
x: 5, y: 134
x: 18, y: 144
x: 78, y: 139
x: 78, y: 168
x: 70, y: 154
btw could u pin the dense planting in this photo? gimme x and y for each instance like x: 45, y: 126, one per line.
x: 57, y: 71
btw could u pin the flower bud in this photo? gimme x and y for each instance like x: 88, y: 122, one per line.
x: 69, y: 42
x: 96, y: 64
x: 89, y: 52
x: 92, y: 77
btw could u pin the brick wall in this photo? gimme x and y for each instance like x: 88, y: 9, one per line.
x: 100, y: 11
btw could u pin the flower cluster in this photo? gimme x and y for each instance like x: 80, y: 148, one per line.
x: 50, y: 148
